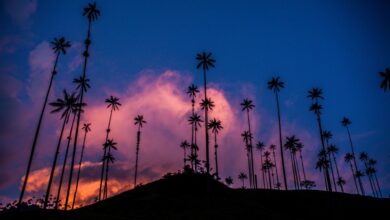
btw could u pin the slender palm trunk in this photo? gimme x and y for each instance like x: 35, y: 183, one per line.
x: 192, y: 133
x: 262, y: 170
x: 293, y: 170
x: 251, y: 152
x: 195, y: 148
x: 243, y: 184
x: 337, y: 171
x: 249, y: 163
x: 297, y: 171
x: 106, y: 178
x: 136, y: 155
x: 354, y: 177
x: 184, y: 156
x: 303, y: 166
x: 65, y: 160
x: 269, y: 178
x: 79, y: 171
x: 104, y: 162
x: 206, y: 120
x: 37, y: 132
x: 331, y: 167
x: 53, y: 167
x: 326, y: 170
x: 377, y: 183
x: 281, y: 142
x: 86, y: 54
x: 370, y: 179
x: 354, y: 161
x: 276, y: 168
x: 216, y: 155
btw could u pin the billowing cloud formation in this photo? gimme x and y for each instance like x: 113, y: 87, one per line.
x: 162, y: 100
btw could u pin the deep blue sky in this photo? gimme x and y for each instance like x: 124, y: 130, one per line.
x: 339, y: 46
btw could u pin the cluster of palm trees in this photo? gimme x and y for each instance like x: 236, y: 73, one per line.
x: 71, y: 106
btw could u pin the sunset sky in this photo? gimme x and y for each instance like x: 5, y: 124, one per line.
x: 144, y: 53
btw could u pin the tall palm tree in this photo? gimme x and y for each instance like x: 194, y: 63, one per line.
x: 322, y: 163
x: 59, y: 45
x: 185, y: 145
x: 363, y: 156
x: 113, y: 104
x: 385, y: 84
x: 247, y: 136
x: 92, y: 13
x: 341, y: 182
x: 215, y: 126
x: 248, y: 105
x: 276, y: 84
x: 272, y: 147
x: 346, y: 122
x: 372, y: 163
x: 86, y: 129
x: 139, y: 120
x: 242, y: 176
x: 349, y: 159
x: 74, y: 114
x: 260, y: 147
x: 192, y: 90
x: 291, y: 145
x: 195, y: 121
x: 299, y: 148
x: 327, y: 135
x: 66, y: 106
x: 110, y: 144
x: 267, y: 167
x: 315, y: 94
x: 205, y: 61
x: 333, y: 150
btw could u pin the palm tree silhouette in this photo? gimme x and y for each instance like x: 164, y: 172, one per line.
x: 229, y: 180
x: 272, y: 147
x: 66, y: 105
x: 372, y: 163
x: 276, y: 84
x: 248, y: 105
x: 322, y: 163
x: 205, y: 61
x: 195, y: 121
x: 110, y: 144
x: 291, y: 145
x: 349, y: 158
x: 65, y: 157
x: 192, y: 90
x: 86, y: 129
x: 385, y: 84
x: 315, y: 94
x: 363, y: 156
x: 59, y: 45
x: 299, y: 148
x: 327, y: 135
x: 92, y: 13
x: 185, y: 145
x: 139, y: 120
x: 333, y: 150
x: 346, y: 122
x: 260, y: 147
x: 113, y: 104
x: 215, y: 126
x: 341, y: 182
x: 267, y: 167
x: 247, y: 136
x: 242, y: 176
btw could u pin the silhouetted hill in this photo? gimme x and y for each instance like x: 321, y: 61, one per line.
x: 196, y: 196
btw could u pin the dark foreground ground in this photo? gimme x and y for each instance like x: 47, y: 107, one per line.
x: 194, y: 196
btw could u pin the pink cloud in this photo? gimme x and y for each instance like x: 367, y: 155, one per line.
x: 20, y: 11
